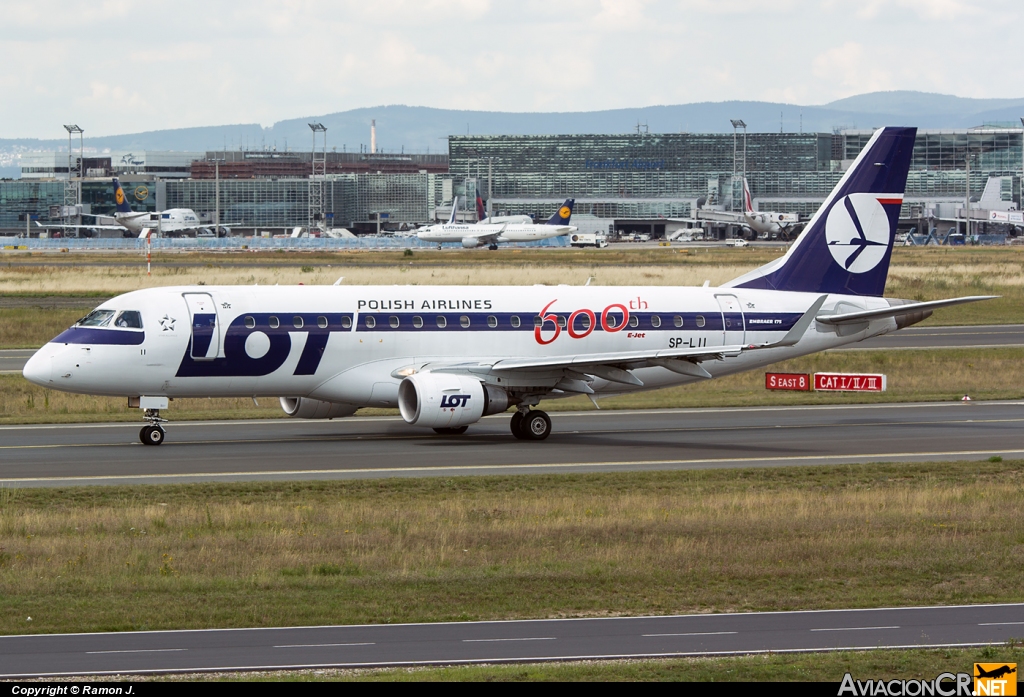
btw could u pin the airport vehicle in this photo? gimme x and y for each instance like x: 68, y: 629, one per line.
x: 581, y: 239
x: 737, y: 242
x: 755, y: 221
x: 171, y: 221
x: 448, y: 355
x: 493, y: 234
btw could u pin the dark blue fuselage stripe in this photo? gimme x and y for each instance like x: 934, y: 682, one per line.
x: 480, y: 321
x: 92, y: 335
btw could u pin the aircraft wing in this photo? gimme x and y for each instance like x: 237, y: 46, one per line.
x: 485, y: 237
x: 82, y: 226
x: 581, y: 361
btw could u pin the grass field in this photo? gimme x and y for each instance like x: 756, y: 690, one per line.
x: 380, y: 551
x: 913, y: 376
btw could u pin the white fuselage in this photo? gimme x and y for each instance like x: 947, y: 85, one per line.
x: 486, y: 233
x: 170, y: 220
x: 769, y: 222
x: 349, y: 344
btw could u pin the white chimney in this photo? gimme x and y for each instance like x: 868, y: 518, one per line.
x: 373, y: 136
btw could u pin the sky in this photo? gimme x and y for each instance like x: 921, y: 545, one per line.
x: 125, y: 67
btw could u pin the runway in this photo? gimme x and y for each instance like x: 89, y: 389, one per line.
x: 594, y: 441
x: 498, y: 642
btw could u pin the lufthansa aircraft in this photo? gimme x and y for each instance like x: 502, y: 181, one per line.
x: 491, y: 233
x: 172, y: 220
x: 447, y: 356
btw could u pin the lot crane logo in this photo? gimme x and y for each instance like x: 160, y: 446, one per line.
x: 857, y: 232
x: 995, y: 679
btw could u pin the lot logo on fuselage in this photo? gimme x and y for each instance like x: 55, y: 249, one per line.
x: 858, y: 232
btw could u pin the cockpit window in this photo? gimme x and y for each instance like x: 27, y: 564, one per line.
x: 129, y: 319
x: 96, y: 318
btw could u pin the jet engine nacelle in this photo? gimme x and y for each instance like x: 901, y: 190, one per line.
x: 306, y: 408
x: 440, y: 400
x: 470, y: 242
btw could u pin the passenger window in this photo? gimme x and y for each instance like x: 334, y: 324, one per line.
x: 96, y: 318
x: 537, y: 321
x: 321, y: 322
x: 297, y: 321
x: 417, y: 322
x: 677, y: 320
x: 655, y: 321
x: 346, y: 322
x: 634, y: 321
x: 492, y: 321
x: 514, y: 320
x: 700, y: 320
x: 561, y: 321
x: 274, y: 322
x: 586, y: 321
x: 250, y: 322
x: 370, y: 322
x: 393, y: 321
x: 441, y: 322
x: 464, y: 321
x: 129, y: 319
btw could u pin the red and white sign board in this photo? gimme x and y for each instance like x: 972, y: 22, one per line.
x: 800, y: 382
x: 849, y: 382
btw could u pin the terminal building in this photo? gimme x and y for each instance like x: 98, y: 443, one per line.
x: 636, y: 182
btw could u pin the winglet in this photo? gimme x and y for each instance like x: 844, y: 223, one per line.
x: 800, y: 328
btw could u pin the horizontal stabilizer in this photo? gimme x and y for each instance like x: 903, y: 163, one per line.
x: 898, y: 310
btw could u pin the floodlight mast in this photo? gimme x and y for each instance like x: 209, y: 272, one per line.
x: 73, y: 185
x: 316, y: 179
x: 737, y: 124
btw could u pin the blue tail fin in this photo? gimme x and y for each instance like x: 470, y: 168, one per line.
x: 848, y: 243
x: 564, y: 212
x: 119, y: 198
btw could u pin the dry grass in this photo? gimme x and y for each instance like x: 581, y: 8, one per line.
x: 544, y: 546
x: 913, y: 376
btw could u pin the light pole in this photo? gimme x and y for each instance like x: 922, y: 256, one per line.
x: 73, y: 189
x: 736, y: 124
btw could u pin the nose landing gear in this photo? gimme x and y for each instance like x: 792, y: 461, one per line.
x: 152, y: 433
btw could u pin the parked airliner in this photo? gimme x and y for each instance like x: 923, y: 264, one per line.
x: 759, y: 222
x: 448, y: 355
x: 170, y: 221
x: 491, y: 234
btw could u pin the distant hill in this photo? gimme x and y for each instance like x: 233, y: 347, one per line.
x: 421, y: 129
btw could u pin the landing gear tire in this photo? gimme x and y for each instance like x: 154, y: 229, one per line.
x: 456, y: 431
x: 536, y: 425
x: 152, y: 435
x: 493, y: 247
x: 516, y: 425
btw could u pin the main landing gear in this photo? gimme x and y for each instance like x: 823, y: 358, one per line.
x: 152, y: 433
x: 531, y: 424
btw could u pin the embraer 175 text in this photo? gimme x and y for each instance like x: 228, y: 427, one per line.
x: 447, y: 356
x: 493, y: 233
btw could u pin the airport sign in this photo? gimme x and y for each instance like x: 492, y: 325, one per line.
x: 800, y: 382
x: 849, y: 382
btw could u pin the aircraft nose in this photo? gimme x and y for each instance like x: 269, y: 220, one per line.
x: 39, y: 368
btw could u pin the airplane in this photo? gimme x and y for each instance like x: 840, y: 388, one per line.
x: 447, y: 356
x: 170, y: 221
x: 481, y: 214
x: 491, y: 234
x: 756, y: 221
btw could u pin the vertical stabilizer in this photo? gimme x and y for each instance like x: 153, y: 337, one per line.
x: 847, y: 246
x: 563, y: 214
x: 119, y: 198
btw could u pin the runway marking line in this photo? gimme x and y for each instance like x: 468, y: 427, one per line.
x: 532, y: 638
x: 996, y: 624
x: 137, y: 651
x: 874, y: 457
x: 692, y: 634
x: 424, y: 436
x: 849, y: 629
x: 306, y: 646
